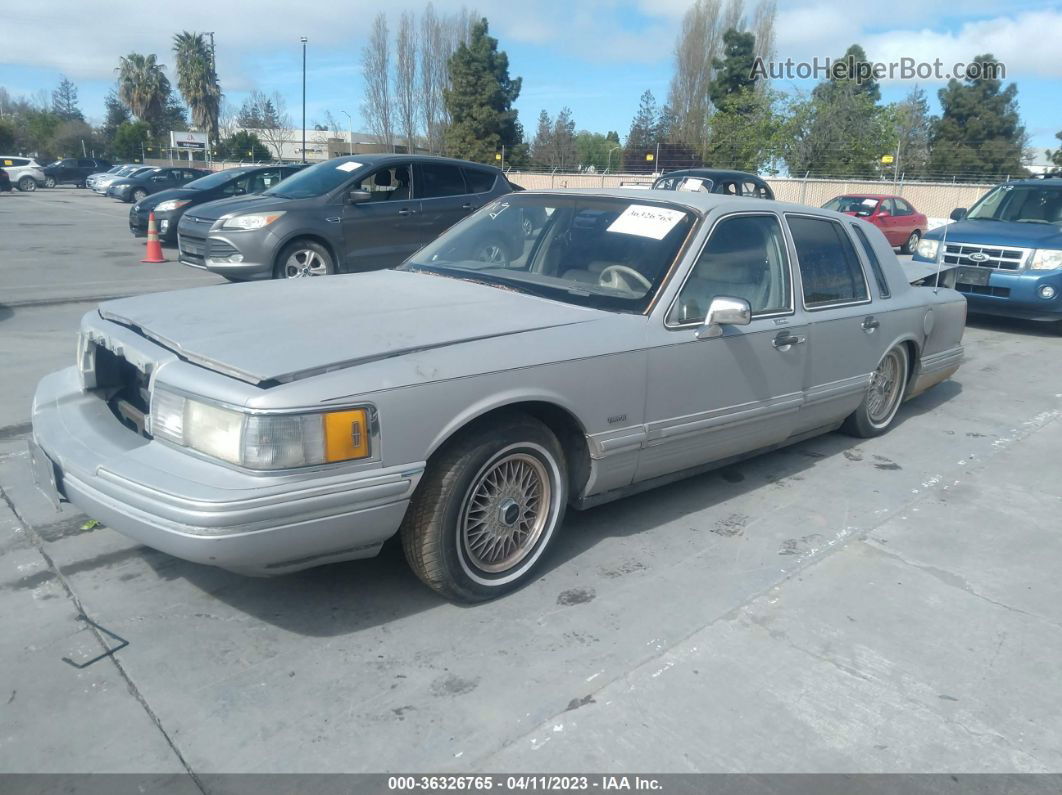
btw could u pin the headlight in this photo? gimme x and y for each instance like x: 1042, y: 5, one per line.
x: 171, y: 204
x: 927, y: 249
x: 251, y: 221
x: 261, y: 441
x: 1046, y: 259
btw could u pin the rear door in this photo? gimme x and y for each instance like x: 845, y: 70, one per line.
x: 844, y: 332
x: 444, y: 197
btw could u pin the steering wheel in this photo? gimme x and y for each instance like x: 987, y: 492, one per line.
x: 618, y: 276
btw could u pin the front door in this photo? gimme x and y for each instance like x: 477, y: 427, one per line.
x: 386, y: 229
x: 709, y: 399
x: 847, y: 330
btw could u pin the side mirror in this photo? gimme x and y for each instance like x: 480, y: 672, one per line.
x: 883, y: 213
x: 958, y: 214
x: 358, y: 196
x: 724, y: 311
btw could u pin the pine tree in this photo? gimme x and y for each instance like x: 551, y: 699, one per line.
x: 480, y: 99
x: 643, y: 136
x: 979, y: 133
x: 542, y: 144
x: 64, y: 101
x: 733, y: 74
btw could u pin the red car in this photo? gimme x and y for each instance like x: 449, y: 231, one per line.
x: 901, y: 223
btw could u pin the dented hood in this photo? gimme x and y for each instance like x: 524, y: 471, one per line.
x: 280, y: 331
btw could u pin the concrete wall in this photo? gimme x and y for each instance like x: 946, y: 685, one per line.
x: 935, y: 199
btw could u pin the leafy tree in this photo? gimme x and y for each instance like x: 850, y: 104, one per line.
x: 979, y: 133
x: 64, y: 101
x: 115, y: 115
x: 744, y: 131
x: 131, y: 140
x: 480, y: 99
x: 911, y: 123
x: 143, y: 87
x: 564, y: 151
x: 1056, y: 156
x: 243, y: 145
x: 733, y: 75
x: 71, y: 138
x: 643, y: 136
x: 7, y: 135
x: 593, y: 150
x: 197, y: 80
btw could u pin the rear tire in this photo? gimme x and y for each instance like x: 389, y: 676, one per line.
x: 912, y: 243
x: 885, y: 393
x: 27, y: 184
x: 486, y: 510
x: 139, y: 195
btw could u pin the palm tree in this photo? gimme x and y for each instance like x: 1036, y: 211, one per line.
x: 142, y: 86
x: 197, y: 80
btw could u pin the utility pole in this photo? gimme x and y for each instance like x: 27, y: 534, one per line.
x: 303, y: 39
x: 350, y: 131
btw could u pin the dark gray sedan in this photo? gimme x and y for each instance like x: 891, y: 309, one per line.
x: 357, y: 213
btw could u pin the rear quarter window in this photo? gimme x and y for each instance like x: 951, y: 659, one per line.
x: 875, y: 263
x: 479, y: 181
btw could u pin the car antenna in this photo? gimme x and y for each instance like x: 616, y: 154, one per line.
x: 940, y: 257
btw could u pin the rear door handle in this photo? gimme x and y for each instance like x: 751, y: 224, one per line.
x: 869, y: 324
x: 783, y: 339
x: 468, y: 206
x: 406, y: 211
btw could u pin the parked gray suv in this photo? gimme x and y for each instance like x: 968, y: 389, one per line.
x: 358, y: 213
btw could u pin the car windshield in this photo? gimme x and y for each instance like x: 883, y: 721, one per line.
x: 316, y: 180
x: 596, y: 251
x: 215, y: 180
x: 1029, y: 204
x: 860, y: 205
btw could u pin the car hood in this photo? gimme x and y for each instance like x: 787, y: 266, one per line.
x: 1001, y: 233
x: 212, y: 211
x: 281, y: 331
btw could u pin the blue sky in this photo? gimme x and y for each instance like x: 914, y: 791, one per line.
x: 595, y: 56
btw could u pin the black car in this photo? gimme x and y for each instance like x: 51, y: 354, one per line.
x: 715, y: 180
x: 5, y: 181
x: 74, y: 170
x: 170, y: 205
x: 356, y: 213
x: 137, y: 187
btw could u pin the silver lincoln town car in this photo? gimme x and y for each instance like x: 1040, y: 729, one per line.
x: 552, y: 349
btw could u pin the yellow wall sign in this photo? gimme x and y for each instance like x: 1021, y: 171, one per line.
x: 886, y: 159
x: 648, y: 155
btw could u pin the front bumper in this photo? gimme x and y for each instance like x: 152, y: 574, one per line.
x: 213, y: 251
x: 206, y: 512
x: 165, y: 223
x: 1016, y: 294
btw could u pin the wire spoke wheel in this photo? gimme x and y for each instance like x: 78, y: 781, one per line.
x: 884, y: 391
x: 492, y: 252
x: 506, y: 510
x: 305, y: 262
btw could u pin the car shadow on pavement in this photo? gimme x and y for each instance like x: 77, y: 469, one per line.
x: 346, y: 598
x: 6, y: 313
x: 1015, y: 325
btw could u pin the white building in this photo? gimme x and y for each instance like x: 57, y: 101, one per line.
x: 320, y: 144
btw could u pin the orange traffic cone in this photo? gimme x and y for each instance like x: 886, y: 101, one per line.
x: 154, y: 248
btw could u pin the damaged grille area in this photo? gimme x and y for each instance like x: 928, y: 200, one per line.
x: 124, y: 387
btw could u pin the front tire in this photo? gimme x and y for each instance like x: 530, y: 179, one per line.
x: 912, y: 243
x: 303, y: 258
x: 139, y: 196
x: 49, y: 182
x: 885, y: 392
x: 487, y: 509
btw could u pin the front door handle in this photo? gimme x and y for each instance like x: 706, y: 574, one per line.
x: 406, y: 211
x: 783, y: 340
x: 869, y: 324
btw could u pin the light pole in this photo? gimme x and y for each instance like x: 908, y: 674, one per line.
x: 303, y: 39
x: 608, y: 167
x: 350, y: 131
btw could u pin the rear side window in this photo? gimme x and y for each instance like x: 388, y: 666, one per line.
x: 875, y: 264
x: 439, y: 179
x: 829, y: 268
x: 86, y: 164
x: 479, y: 181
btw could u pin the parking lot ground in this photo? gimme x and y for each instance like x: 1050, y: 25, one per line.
x: 842, y: 605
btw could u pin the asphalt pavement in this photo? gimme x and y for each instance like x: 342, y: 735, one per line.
x: 843, y: 605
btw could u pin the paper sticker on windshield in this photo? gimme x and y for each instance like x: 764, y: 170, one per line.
x: 693, y: 185
x: 645, y: 221
x: 348, y: 166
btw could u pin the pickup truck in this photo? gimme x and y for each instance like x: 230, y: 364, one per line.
x: 1006, y: 250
